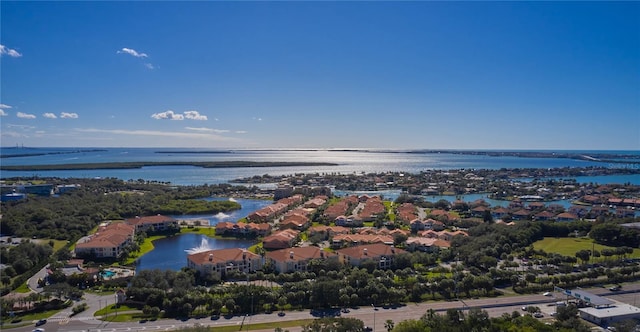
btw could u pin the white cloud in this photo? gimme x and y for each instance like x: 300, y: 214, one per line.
x: 194, y: 115
x: 171, y: 115
x: 9, y: 51
x: 257, y: 119
x: 241, y: 131
x: 198, y: 129
x: 207, y: 136
x: 168, y: 115
x: 26, y: 116
x: 49, y: 115
x: 23, y: 127
x: 13, y: 134
x: 148, y: 65
x: 3, y: 113
x: 132, y: 52
x: 65, y: 115
x: 5, y: 106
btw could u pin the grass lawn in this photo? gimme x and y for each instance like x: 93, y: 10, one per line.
x: 129, y: 317
x: 265, y: 326
x: 205, y: 230
x: 568, y: 246
x: 112, y: 310
x: 23, y: 288
x: 58, y: 244
x: 125, y: 317
x: 29, y: 318
x: 146, y: 247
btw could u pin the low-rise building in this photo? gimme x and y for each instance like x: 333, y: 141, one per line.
x: 297, y: 259
x: 382, y: 254
x: 108, y: 242
x: 157, y: 223
x: 341, y: 240
x: 222, y: 261
x: 426, y: 244
x: 607, y: 315
x: 280, y: 240
x: 242, y: 229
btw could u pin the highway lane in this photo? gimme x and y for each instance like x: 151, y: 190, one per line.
x: 494, y: 306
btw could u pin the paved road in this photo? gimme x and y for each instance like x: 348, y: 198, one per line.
x: 85, y: 322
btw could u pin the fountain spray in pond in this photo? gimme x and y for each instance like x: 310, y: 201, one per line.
x: 221, y: 216
x: 204, y: 246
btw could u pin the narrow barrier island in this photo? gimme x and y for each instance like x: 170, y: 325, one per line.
x: 132, y: 165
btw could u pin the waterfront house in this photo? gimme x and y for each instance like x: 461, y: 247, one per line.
x: 479, y: 211
x: 222, y: 261
x: 521, y: 214
x: 297, y: 259
x: 625, y: 213
x: 534, y: 206
x: 382, y: 254
x: 108, y: 242
x: 544, y: 215
x: 157, y: 223
x: 566, y: 216
x: 499, y: 213
x: 579, y: 210
x: 597, y: 211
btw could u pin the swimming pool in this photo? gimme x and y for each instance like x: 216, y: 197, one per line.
x: 107, y: 274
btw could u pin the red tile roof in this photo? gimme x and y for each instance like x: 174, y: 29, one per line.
x: 299, y: 254
x: 370, y: 250
x: 222, y: 256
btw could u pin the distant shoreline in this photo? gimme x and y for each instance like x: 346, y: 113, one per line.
x: 133, y: 165
x: 35, y: 154
x: 599, y: 156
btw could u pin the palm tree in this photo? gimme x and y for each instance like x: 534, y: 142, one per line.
x: 389, y: 325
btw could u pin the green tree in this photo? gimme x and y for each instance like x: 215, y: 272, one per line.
x: 388, y: 324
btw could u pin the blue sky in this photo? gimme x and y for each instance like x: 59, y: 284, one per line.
x: 399, y: 75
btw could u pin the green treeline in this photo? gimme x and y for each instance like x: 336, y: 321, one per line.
x: 129, y: 165
x: 73, y: 214
x: 197, y: 207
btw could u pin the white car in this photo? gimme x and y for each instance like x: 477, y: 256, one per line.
x: 547, y: 294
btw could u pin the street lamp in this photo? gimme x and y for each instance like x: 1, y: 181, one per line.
x: 374, y: 317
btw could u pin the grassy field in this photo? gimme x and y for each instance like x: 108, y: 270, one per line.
x: 568, y: 246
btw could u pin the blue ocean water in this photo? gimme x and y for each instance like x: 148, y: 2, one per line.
x: 348, y: 162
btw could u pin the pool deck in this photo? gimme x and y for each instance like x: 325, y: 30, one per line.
x: 119, y: 273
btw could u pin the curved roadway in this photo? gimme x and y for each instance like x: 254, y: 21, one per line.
x: 86, y: 322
